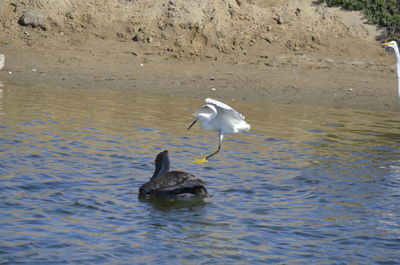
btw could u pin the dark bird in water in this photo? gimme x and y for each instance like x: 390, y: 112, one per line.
x: 165, y: 183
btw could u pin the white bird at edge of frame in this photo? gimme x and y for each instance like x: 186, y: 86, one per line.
x: 2, y: 59
x: 393, y: 45
x: 217, y: 116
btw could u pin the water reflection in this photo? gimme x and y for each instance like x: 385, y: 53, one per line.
x: 307, y: 185
x: 164, y: 204
x: 1, y: 99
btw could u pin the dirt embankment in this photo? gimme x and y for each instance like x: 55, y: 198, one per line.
x: 289, y: 51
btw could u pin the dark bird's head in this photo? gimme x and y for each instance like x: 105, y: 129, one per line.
x: 161, y: 164
x: 161, y: 156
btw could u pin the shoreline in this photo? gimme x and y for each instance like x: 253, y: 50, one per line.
x: 299, y: 80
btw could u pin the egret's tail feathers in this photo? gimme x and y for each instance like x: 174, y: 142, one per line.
x: 242, y: 127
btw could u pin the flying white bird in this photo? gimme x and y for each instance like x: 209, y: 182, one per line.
x: 393, y: 45
x: 217, y: 116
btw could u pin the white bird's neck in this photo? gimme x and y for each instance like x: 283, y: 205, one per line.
x: 398, y: 76
x: 397, y: 53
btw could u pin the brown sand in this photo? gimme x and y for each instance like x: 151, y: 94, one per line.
x: 291, y: 52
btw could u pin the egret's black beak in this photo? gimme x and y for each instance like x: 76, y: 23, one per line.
x: 191, y: 125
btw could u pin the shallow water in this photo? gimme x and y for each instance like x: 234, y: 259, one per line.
x: 306, y: 186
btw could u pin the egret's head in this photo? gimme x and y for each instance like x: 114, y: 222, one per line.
x: 391, y: 44
x: 206, y: 113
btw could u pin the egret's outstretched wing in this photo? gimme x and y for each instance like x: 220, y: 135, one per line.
x: 227, y: 111
x: 218, y: 103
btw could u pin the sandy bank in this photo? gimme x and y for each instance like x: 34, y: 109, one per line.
x: 291, y: 52
x: 333, y: 84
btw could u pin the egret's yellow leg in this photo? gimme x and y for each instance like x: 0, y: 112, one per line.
x: 200, y: 161
x: 204, y: 160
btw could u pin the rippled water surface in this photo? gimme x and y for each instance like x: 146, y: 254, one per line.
x: 305, y: 186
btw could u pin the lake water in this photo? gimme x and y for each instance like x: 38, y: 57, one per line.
x: 307, y: 185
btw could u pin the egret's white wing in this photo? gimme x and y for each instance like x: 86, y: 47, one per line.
x: 218, y: 103
x: 228, y: 111
x: 231, y: 121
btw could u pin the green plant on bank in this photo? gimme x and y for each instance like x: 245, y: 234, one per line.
x: 384, y: 13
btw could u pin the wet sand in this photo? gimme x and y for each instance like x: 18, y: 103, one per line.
x: 300, y: 81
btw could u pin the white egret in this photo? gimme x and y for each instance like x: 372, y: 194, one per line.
x: 393, y: 45
x: 2, y: 59
x: 217, y: 116
x: 165, y: 183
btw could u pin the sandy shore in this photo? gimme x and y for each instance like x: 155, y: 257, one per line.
x: 302, y: 81
x: 289, y: 52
